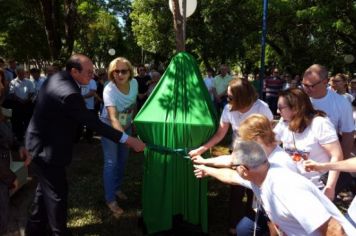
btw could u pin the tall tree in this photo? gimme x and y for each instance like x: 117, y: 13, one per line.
x: 58, y: 23
x: 100, y: 32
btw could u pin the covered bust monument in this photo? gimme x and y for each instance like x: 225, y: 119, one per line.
x: 177, y: 117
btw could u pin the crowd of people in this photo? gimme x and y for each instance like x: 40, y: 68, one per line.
x: 278, y: 160
x: 271, y: 162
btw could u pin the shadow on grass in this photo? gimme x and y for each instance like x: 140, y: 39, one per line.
x: 89, y: 215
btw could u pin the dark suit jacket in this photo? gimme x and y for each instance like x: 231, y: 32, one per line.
x: 6, y: 142
x: 59, y: 110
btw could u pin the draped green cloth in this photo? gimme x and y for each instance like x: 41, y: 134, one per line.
x: 177, y: 117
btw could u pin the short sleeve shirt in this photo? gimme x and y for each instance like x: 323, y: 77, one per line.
x: 235, y: 117
x: 338, y: 109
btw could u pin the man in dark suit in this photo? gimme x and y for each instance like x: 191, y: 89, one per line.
x: 50, y: 136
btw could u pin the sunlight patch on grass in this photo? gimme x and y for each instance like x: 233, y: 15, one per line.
x: 213, y: 194
x: 81, y: 217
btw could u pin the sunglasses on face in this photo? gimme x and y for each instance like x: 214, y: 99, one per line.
x: 123, y: 72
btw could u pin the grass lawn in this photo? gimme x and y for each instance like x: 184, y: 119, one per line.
x: 88, y: 214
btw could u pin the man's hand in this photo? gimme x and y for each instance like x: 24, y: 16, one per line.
x: 136, y: 144
x: 25, y: 155
x: 199, y: 171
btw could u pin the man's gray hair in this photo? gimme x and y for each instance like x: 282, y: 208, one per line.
x: 317, y: 69
x: 248, y: 153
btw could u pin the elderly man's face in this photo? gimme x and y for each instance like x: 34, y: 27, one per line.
x: 313, y: 85
x: 83, y: 77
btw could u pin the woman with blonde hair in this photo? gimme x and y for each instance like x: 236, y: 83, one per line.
x: 119, y: 108
x: 243, y: 101
x: 259, y: 129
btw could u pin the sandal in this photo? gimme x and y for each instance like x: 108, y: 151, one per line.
x: 115, y: 209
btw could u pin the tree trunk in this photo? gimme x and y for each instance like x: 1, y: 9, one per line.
x: 178, y: 26
x: 48, y: 8
x: 70, y: 12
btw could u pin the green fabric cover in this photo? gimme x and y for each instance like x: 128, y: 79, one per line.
x: 179, y: 114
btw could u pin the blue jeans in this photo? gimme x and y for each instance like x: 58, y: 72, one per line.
x: 115, y: 157
x: 247, y: 224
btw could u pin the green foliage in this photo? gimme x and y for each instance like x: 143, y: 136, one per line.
x: 300, y: 32
x: 99, y: 32
x: 152, y: 26
x: 22, y: 35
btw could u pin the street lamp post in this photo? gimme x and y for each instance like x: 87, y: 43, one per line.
x: 263, y: 45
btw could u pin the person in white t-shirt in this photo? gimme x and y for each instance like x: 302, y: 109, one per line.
x: 243, y: 101
x: 348, y: 165
x: 88, y: 92
x: 338, y: 109
x: 21, y: 92
x: 119, y: 97
x: 257, y: 128
x: 294, y: 204
x: 307, y: 133
x: 209, y: 83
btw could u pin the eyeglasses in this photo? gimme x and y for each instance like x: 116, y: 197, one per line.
x: 281, y: 107
x: 123, y: 72
x: 311, y: 86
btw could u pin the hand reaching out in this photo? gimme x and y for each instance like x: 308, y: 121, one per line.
x: 199, y: 171
x: 136, y: 144
x: 310, y: 165
x: 198, y: 151
x: 199, y: 160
